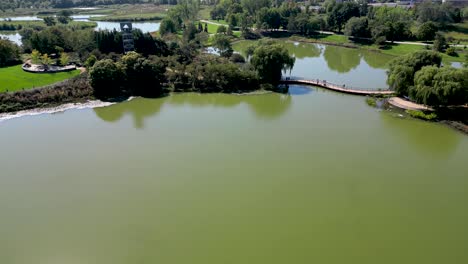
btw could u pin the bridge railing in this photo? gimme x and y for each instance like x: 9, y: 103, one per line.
x: 331, y: 84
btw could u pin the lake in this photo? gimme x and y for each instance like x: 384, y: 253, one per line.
x: 313, y: 176
x: 15, y: 37
x: 352, y: 67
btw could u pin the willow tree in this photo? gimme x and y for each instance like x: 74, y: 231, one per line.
x: 270, y: 61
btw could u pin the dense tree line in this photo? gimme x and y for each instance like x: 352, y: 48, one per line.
x: 356, y: 18
x: 132, y: 74
x: 185, y: 67
x: 420, y: 76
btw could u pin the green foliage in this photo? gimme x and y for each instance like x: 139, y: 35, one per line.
x: 439, y: 13
x: 49, y: 21
x: 451, y: 51
x: 63, y: 19
x: 46, y: 60
x: 421, y: 115
x: 133, y: 74
x: 436, y: 86
x: 341, y: 13
x: 357, y: 27
x: 64, y: 59
x: 111, y: 41
x: 35, y: 57
x: 190, y: 32
x: 223, y: 44
x: 221, y: 30
x: 268, y: 18
x: 209, y: 73
x: 427, y: 31
x: 269, y: 61
x: 305, y: 24
x: 371, y: 101
x: 106, y: 78
x: 58, y: 38
x: 143, y: 76
x: 402, y: 69
x: 229, y: 31
x: 393, y: 23
x: 9, y: 53
x: 237, y: 58
x: 439, y: 43
x: 90, y: 61
x: 167, y: 26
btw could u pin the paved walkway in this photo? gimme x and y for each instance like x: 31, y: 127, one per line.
x: 408, y: 105
x: 338, y: 88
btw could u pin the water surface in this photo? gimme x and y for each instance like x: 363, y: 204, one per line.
x: 340, y: 65
x: 312, y: 177
x: 15, y: 37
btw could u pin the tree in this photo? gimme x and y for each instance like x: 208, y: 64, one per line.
x: 439, y: 43
x: 357, y: 27
x: 218, y: 13
x: 268, y: 18
x: 270, y: 60
x: 223, y: 44
x: 49, y: 21
x: 401, y: 71
x: 229, y: 31
x: 190, y: 32
x: 167, y: 26
x: 341, y: 13
x: 90, y: 61
x: 106, y: 78
x: 143, y: 76
x: 393, y: 23
x: 233, y: 20
x: 46, y: 60
x: 221, y: 30
x: 9, y: 53
x: 439, y: 13
x: 35, y: 57
x: 64, y: 59
x: 426, y: 31
x: 436, y: 86
x: 63, y: 19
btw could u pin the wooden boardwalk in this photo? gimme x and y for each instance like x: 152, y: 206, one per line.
x: 335, y: 87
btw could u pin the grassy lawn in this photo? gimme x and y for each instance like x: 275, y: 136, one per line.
x: 204, y: 12
x: 212, y: 29
x: 130, y: 17
x: 459, y: 32
x: 15, y: 79
x: 399, y: 49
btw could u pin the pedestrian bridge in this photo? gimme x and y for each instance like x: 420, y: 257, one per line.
x: 336, y: 87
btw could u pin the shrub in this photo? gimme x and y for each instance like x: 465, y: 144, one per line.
x: 421, y: 115
x: 371, y: 101
x: 451, y: 52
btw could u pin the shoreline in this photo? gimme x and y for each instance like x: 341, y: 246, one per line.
x: 54, y: 109
x: 90, y: 104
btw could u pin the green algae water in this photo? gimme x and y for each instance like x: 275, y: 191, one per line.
x: 309, y: 177
x: 352, y: 67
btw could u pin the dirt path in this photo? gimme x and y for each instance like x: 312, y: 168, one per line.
x: 408, y: 105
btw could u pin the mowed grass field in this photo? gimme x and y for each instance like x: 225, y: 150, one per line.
x: 15, y: 79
